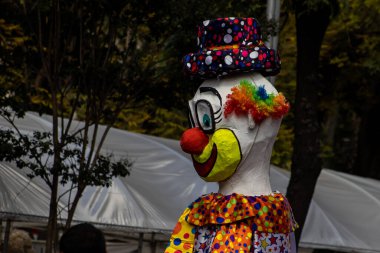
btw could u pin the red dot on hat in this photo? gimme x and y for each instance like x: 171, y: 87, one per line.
x: 194, y: 67
x: 230, y: 44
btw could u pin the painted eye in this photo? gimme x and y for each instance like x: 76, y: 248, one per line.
x: 205, y: 116
x: 206, y: 120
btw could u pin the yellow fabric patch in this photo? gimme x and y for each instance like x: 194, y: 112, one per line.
x: 182, y: 238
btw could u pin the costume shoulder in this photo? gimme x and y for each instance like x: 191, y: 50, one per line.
x: 182, y: 238
x: 266, y: 213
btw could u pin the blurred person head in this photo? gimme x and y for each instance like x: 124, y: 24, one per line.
x: 20, y: 242
x: 82, y: 238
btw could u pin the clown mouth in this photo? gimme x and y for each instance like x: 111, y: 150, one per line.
x: 203, y: 169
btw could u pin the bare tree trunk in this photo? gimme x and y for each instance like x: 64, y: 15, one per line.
x: 52, y: 224
x: 368, y: 150
x: 52, y: 59
x: 73, y: 206
x: 311, y: 25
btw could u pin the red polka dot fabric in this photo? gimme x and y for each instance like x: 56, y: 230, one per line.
x: 236, y: 224
x: 183, y: 236
x: 228, y: 45
x: 270, y: 213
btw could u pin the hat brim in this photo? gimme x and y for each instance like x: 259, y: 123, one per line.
x: 214, y: 63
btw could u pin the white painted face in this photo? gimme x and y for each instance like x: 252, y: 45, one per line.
x: 230, y: 137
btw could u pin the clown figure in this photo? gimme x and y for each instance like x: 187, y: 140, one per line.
x: 235, y: 117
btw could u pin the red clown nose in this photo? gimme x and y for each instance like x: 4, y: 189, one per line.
x: 193, y: 141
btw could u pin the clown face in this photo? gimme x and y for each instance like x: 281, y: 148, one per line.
x: 225, y: 115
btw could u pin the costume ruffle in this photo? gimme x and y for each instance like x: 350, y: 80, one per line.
x: 267, y: 213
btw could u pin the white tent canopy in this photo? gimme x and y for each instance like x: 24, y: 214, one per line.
x: 150, y: 199
x: 344, y: 213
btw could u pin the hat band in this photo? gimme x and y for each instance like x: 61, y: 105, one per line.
x: 225, y: 47
x: 234, y: 46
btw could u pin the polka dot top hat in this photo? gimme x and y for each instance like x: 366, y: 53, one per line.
x: 228, y: 45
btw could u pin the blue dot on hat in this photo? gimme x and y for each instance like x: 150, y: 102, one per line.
x: 215, y: 34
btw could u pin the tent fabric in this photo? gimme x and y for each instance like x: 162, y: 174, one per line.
x: 344, y: 213
x: 147, y: 200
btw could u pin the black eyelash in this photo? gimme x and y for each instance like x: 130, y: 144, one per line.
x: 217, y: 116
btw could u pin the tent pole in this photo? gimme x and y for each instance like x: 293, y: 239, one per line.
x: 273, y: 15
x: 1, y: 232
x: 6, y: 236
x: 141, y: 238
x: 153, y: 244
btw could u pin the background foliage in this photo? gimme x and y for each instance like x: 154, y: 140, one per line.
x: 131, y: 51
x: 167, y: 31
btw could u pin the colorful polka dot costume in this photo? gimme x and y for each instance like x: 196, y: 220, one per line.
x: 228, y: 45
x: 235, y: 223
